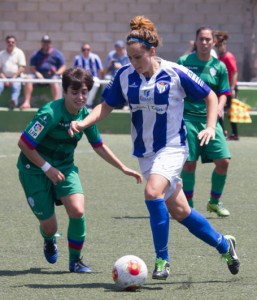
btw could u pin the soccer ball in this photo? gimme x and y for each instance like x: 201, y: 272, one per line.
x: 129, y: 273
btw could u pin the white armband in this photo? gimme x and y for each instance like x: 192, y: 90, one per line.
x: 46, y: 166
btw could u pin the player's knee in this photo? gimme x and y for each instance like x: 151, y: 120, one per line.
x: 151, y: 193
x: 76, y: 212
x: 222, y: 164
x: 189, y: 166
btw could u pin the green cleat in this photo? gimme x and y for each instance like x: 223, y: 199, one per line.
x: 161, y: 270
x: 231, y: 256
x: 218, y: 209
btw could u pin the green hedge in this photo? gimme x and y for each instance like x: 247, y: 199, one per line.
x: 249, y: 96
x: 117, y: 123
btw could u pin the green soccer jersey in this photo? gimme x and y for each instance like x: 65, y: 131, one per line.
x: 48, y: 134
x: 213, y: 72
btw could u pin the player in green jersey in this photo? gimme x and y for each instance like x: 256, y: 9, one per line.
x: 47, y: 171
x: 214, y: 73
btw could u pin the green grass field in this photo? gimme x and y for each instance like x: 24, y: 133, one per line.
x: 118, y: 224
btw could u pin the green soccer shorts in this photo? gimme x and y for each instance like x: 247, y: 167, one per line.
x: 216, y: 149
x: 42, y: 194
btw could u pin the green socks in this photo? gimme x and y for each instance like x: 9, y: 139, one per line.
x: 218, y: 182
x: 188, y: 186
x: 76, y: 237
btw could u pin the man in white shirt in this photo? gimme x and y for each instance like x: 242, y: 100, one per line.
x: 12, y: 65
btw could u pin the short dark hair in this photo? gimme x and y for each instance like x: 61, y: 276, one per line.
x: 10, y: 37
x: 75, y: 78
x: 202, y: 28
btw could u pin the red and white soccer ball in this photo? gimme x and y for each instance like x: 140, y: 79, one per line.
x: 129, y: 273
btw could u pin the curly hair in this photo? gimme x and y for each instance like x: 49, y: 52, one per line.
x: 143, y: 30
x: 221, y: 36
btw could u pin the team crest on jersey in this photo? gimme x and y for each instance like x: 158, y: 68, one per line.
x: 146, y: 96
x: 36, y: 129
x: 213, y: 72
x: 162, y: 87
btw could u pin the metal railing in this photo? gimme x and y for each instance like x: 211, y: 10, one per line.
x: 241, y: 84
x: 44, y: 81
x: 101, y: 81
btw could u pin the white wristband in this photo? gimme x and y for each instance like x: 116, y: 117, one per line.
x: 46, y: 166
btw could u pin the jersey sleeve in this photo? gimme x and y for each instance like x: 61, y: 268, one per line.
x: 223, y: 87
x: 231, y: 63
x: 37, y: 129
x: 93, y: 136
x: 112, y: 94
x: 193, y: 85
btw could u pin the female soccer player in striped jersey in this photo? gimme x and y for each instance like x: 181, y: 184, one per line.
x: 154, y: 89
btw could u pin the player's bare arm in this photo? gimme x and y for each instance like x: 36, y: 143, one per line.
x: 212, y: 112
x: 106, y: 153
x: 97, y: 114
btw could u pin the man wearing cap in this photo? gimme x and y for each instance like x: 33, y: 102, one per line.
x: 115, y: 59
x: 48, y: 63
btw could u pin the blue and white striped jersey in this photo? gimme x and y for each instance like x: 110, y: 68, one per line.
x: 156, y: 104
x: 93, y: 63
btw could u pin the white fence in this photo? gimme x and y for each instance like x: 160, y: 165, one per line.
x: 101, y: 81
x: 241, y: 85
x: 45, y: 81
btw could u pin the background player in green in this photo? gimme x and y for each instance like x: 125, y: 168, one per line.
x: 46, y: 166
x: 214, y: 73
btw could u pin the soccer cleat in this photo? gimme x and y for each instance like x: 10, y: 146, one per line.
x: 50, y: 251
x: 231, y: 256
x: 218, y: 209
x: 161, y: 270
x: 79, y: 267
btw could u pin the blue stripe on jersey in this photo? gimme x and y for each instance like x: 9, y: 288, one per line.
x: 97, y: 66
x: 134, y: 82
x: 137, y: 121
x: 32, y: 142
x: 161, y: 96
x: 76, y: 63
x: 182, y: 133
x: 112, y: 94
x: 224, y: 92
x: 83, y: 63
x: 96, y: 144
x: 194, y: 87
x: 91, y: 67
